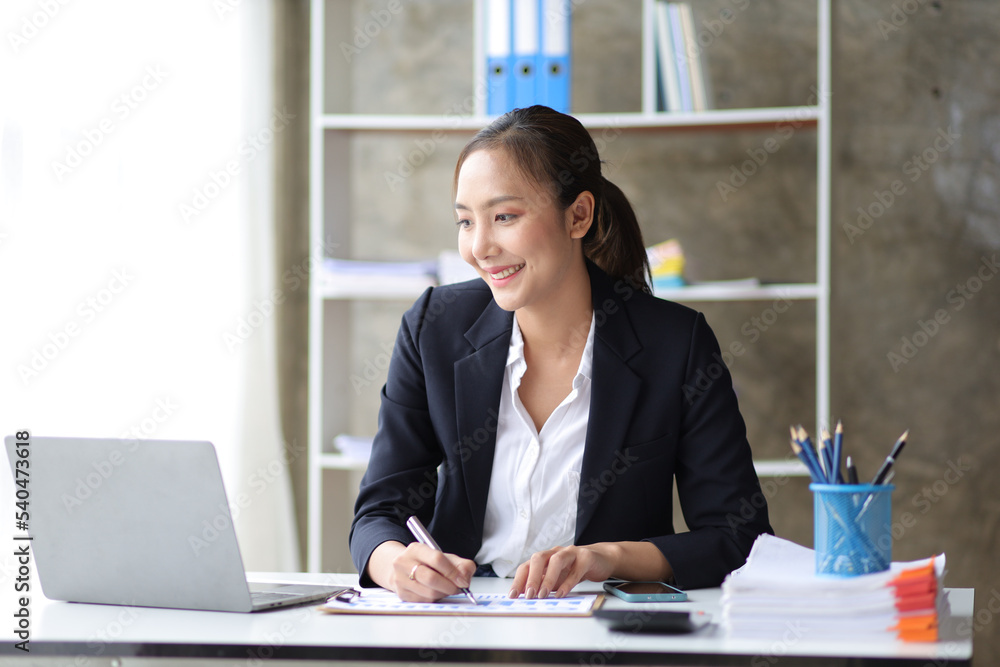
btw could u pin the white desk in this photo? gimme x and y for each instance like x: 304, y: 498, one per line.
x: 90, y: 635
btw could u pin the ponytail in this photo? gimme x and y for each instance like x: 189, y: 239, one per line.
x: 555, y: 149
x: 614, y: 241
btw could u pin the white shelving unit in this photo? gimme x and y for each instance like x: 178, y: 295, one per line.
x: 330, y: 180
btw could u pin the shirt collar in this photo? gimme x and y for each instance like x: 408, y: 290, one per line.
x: 515, y: 351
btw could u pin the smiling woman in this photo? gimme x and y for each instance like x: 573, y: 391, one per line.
x: 577, y: 376
x: 116, y: 115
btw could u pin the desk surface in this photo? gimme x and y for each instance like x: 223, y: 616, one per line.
x: 83, y: 632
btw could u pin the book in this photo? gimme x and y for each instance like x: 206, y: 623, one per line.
x: 681, y: 68
x: 693, y: 59
x: 669, y: 86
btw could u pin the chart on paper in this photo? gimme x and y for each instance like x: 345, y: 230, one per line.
x: 384, y: 602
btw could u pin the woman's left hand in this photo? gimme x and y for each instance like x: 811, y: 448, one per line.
x: 559, y: 569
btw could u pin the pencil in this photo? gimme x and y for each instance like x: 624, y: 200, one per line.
x: 838, y: 450
x: 806, y: 443
x: 825, y: 450
x: 800, y: 452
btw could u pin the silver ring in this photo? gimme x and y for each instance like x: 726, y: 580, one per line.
x: 413, y: 572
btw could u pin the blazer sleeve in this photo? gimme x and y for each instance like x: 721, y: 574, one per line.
x: 401, y: 478
x: 717, y: 485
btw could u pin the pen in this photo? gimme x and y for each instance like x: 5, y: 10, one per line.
x: 419, y: 532
x: 889, y: 460
x: 852, y: 472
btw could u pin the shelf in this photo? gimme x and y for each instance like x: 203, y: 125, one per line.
x: 690, y: 293
x: 740, y: 293
x: 780, y: 468
x: 804, y: 115
x: 378, y: 292
x: 764, y: 468
x: 340, y: 140
x: 330, y: 461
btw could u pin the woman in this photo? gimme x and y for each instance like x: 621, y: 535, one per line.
x: 534, y: 419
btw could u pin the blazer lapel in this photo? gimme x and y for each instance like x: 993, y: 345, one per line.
x: 615, y: 391
x: 478, y: 384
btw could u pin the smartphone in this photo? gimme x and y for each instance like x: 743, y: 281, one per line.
x: 646, y: 620
x: 645, y: 591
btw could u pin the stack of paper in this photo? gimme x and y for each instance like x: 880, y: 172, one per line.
x: 353, y: 447
x: 451, y: 268
x: 364, y: 278
x: 778, y: 590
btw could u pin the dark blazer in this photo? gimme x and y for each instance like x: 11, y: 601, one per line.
x: 662, y: 408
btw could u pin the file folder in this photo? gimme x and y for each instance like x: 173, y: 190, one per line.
x: 527, y: 53
x: 500, y: 83
x: 554, y: 72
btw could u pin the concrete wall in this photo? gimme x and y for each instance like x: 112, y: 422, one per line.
x: 916, y: 145
x: 917, y: 104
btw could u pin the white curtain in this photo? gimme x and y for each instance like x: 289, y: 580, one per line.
x: 136, y: 255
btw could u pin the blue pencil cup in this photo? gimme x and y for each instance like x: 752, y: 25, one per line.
x: 852, y: 526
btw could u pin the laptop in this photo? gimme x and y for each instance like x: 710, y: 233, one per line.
x: 141, y: 523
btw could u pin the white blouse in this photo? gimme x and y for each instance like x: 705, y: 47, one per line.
x: 532, y: 502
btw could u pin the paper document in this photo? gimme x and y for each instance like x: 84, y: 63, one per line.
x: 493, y: 604
x: 778, y: 587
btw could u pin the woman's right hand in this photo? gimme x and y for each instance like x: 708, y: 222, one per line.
x: 418, y: 573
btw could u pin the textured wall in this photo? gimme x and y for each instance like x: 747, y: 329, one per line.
x: 915, y: 100
x: 917, y: 104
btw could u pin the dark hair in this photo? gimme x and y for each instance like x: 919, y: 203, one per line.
x: 555, y: 149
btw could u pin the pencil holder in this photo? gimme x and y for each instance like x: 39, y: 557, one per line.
x: 852, y: 526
